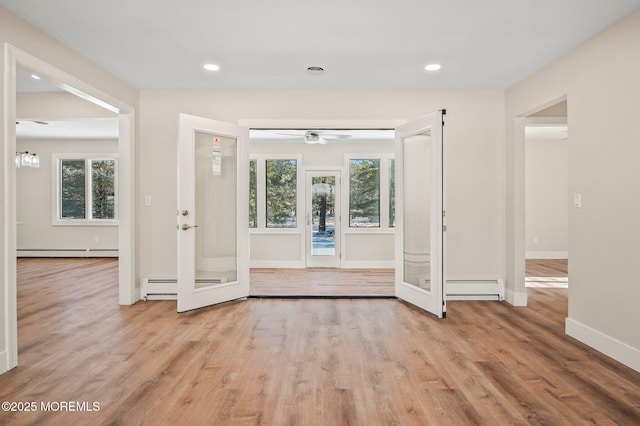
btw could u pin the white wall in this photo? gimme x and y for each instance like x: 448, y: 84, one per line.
x: 474, y: 136
x: 547, y: 202
x: 36, y: 234
x: 601, y: 84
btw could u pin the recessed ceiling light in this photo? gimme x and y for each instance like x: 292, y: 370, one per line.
x: 35, y: 77
x: 211, y: 67
x: 315, y: 70
x: 432, y: 67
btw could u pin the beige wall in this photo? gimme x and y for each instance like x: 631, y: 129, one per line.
x: 546, y: 199
x: 600, y: 81
x: 35, y: 204
x: 474, y: 148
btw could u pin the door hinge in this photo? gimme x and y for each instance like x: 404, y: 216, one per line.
x: 444, y: 228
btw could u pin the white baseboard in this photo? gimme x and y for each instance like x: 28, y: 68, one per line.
x: 516, y: 298
x: 274, y: 264
x: 546, y: 255
x: 620, y: 351
x: 4, y: 362
x: 368, y: 264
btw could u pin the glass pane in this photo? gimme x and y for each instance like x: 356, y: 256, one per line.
x: 72, y: 188
x: 253, y: 194
x: 103, y: 188
x: 323, y: 219
x: 417, y: 211
x: 281, y: 193
x: 216, y: 210
x: 392, y: 193
x: 364, y: 193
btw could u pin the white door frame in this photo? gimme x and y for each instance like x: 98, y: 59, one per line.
x: 126, y: 165
x: 308, y: 196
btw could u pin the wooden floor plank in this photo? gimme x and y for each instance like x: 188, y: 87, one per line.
x: 301, y: 361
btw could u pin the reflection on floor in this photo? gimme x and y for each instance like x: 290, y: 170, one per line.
x: 547, y: 273
x: 322, y: 282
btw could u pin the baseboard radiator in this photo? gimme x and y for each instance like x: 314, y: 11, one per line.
x: 77, y: 252
x: 159, y: 289
x: 475, y: 289
x: 167, y: 288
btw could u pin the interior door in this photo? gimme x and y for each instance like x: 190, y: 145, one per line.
x: 420, y: 214
x: 213, y: 194
x: 323, y: 219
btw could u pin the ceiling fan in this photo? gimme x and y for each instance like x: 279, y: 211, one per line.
x: 311, y: 137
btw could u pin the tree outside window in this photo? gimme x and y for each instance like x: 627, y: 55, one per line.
x: 364, y: 193
x: 253, y: 194
x: 87, y: 189
x: 281, y: 194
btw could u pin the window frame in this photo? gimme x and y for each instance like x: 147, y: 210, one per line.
x: 261, y: 194
x: 384, y: 227
x: 56, y: 191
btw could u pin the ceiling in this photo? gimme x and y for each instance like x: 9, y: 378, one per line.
x: 361, y: 44
x: 90, y: 128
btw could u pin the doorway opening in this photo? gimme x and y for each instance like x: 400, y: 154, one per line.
x: 546, y: 194
x: 21, y: 65
x: 322, y: 211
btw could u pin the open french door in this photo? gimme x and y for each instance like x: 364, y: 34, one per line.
x: 420, y: 214
x: 213, y: 238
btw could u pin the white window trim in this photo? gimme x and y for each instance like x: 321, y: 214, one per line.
x: 261, y: 194
x: 384, y: 194
x: 56, y: 209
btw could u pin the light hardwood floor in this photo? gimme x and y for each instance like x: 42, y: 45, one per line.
x: 302, y: 361
x: 322, y: 282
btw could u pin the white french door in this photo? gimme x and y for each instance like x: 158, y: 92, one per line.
x: 420, y: 214
x: 323, y: 218
x: 213, y: 193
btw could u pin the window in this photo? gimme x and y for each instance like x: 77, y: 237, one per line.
x: 372, y: 198
x: 281, y: 199
x: 253, y: 194
x: 274, y: 204
x: 364, y: 193
x: 86, y: 189
x: 392, y: 193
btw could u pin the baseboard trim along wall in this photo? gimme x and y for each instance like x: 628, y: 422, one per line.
x: 516, y: 298
x: 546, y: 255
x: 4, y: 362
x: 67, y: 252
x: 620, y: 351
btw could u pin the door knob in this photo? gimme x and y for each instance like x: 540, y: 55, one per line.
x: 186, y: 227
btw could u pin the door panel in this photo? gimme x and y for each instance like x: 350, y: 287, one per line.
x: 212, y: 213
x: 420, y: 226
x: 323, y: 219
